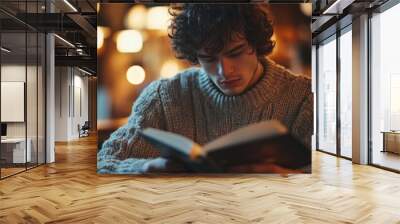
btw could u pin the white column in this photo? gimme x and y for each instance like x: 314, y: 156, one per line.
x: 313, y: 89
x: 360, y: 90
x: 50, y: 93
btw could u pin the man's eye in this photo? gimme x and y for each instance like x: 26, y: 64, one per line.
x: 208, y: 59
x: 235, y: 54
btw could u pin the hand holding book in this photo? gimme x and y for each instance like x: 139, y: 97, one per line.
x: 265, y: 147
x: 163, y: 165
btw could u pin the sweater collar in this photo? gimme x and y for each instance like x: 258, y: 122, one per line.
x: 255, y: 97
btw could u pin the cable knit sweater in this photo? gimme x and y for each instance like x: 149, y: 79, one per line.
x: 191, y: 105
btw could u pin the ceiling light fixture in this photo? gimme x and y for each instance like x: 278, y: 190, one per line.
x: 70, y: 5
x: 84, y: 71
x: 64, y: 40
x: 331, y: 7
x: 5, y: 50
x: 337, y: 7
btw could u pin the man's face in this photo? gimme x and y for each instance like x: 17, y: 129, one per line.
x: 234, y: 69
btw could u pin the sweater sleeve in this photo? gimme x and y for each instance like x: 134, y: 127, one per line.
x: 125, y: 151
x: 302, y: 127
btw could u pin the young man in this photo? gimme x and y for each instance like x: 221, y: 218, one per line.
x: 235, y: 85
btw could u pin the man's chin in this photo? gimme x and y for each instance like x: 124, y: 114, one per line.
x: 231, y: 92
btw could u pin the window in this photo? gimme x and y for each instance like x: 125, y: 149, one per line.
x: 327, y: 96
x: 385, y: 88
x: 346, y: 93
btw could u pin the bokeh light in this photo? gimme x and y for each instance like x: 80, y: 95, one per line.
x: 100, y: 37
x: 158, y: 18
x: 135, y: 75
x: 129, y: 41
x: 169, y: 69
x: 102, y: 33
x: 136, y: 17
x: 306, y: 8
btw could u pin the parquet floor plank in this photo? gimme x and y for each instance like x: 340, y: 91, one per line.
x: 70, y: 191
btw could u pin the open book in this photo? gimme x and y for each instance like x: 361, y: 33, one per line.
x: 256, y: 143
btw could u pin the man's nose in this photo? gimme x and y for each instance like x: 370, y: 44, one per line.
x: 224, y: 68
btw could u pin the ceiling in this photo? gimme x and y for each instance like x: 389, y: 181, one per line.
x: 21, y: 21
x: 330, y: 16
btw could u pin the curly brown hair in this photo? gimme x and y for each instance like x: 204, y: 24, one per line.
x: 211, y: 26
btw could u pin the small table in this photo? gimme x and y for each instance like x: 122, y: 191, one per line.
x: 13, y: 150
x: 391, y: 141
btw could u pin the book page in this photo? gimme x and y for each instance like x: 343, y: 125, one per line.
x: 252, y: 132
x: 168, y: 143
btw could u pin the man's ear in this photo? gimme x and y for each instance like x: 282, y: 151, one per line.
x: 251, y: 49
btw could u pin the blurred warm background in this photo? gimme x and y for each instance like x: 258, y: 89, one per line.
x: 133, y: 49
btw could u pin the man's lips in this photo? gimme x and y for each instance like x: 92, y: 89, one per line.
x: 230, y: 82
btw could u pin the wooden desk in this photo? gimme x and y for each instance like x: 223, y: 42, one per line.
x: 391, y: 141
x: 13, y: 150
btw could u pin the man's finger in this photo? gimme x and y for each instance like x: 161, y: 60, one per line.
x: 162, y: 165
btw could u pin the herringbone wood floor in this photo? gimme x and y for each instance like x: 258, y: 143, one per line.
x: 70, y: 191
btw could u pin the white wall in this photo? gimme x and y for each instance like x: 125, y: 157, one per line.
x: 61, y: 103
x: 71, y: 93
x: 16, y: 72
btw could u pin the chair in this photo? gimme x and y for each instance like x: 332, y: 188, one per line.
x: 84, y: 130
